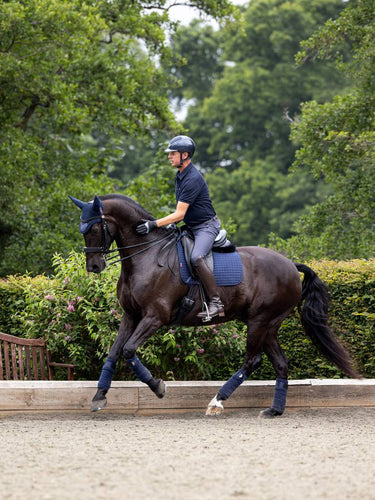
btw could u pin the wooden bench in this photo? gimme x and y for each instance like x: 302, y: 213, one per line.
x: 27, y: 359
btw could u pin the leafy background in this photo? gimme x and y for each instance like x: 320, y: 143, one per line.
x: 280, y: 100
x: 79, y: 317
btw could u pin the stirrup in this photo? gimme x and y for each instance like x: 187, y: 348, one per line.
x: 206, y: 316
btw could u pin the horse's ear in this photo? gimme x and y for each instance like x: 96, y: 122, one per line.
x: 79, y: 203
x: 97, y: 205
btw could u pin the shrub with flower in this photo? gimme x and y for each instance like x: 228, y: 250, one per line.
x: 78, y: 315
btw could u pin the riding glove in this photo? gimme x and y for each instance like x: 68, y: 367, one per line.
x: 146, y: 227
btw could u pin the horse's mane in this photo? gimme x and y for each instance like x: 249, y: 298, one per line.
x: 128, y: 201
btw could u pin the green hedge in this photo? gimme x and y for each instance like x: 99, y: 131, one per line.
x: 78, y: 315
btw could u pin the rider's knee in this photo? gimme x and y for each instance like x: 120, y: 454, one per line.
x: 196, y: 259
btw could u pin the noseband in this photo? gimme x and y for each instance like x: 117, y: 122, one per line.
x: 105, y: 246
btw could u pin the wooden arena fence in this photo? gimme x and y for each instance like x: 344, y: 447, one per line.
x: 181, y: 396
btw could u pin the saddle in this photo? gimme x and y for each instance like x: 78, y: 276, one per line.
x: 221, y: 244
x: 223, y: 260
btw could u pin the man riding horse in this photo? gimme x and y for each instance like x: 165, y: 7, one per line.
x: 195, y: 208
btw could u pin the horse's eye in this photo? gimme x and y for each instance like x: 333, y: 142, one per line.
x: 94, y: 229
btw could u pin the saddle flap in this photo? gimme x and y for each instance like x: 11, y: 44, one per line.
x: 228, y: 269
x: 188, y: 243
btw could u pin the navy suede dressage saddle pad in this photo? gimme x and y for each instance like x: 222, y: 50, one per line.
x: 227, y: 268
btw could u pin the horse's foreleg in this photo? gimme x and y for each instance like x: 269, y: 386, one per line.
x: 281, y: 365
x: 144, y: 330
x: 99, y: 401
x: 144, y: 375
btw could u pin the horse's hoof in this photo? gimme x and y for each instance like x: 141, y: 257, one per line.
x: 270, y: 413
x: 160, y: 389
x: 214, y: 411
x: 215, y: 407
x: 98, y: 405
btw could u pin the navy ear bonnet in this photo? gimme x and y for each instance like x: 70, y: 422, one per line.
x: 91, y: 213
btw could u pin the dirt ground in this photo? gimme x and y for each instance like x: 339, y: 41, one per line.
x: 305, y: 454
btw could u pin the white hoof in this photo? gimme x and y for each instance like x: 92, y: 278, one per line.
x: 215, y: 407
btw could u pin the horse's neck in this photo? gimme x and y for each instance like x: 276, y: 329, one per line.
x: 146, y: 258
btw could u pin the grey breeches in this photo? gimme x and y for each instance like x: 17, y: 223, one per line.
x: 204, y: 237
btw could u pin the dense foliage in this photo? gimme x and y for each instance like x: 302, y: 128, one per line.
x: 250, y: 88
x: 85, y: 93
x: 76, y: 78
x: 337, y: 143
x: 78, y: 315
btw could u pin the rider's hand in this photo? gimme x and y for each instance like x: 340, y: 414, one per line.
x: 146, y: 226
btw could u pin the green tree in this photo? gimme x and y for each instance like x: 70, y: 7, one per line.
x: 337, y: 143
x: 72, y: 73
x: 242, y: 126
x: 197, y: 58
x: 245, y: 115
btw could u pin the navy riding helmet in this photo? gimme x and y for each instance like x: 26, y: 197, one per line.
x: 183, y: 144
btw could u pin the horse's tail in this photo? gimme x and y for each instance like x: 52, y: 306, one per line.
x: 314, y: 316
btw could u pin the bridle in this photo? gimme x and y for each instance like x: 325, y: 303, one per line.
x: 107, y: 239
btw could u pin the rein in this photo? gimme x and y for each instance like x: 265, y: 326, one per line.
x: 150, y: 244
x: 105, y: 249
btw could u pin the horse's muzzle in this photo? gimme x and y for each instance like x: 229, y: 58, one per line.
x: 95, y: 265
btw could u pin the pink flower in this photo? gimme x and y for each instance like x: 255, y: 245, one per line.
x: 68, y: 326
x: 113, y: 312
x: 67, y: 338
x: 78, y: 298
x: 66, y: 280
x: 171, y: 330
x: 200, y: 351
x: 214, y: 331
x: 178, y: 346
x: 176, y: 359
x: 234, y: 336
x: 70, y: 308
x: 49, y: 297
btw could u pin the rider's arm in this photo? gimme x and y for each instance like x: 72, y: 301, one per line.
x: 176, y: 216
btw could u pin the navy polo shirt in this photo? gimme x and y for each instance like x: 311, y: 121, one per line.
x: 190, y: 187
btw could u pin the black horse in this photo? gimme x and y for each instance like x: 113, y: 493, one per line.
x: 150, y: 291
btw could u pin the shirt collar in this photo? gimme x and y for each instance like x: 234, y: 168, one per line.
x: 184, y: 172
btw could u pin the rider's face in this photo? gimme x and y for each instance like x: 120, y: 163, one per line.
x: 175, y: 159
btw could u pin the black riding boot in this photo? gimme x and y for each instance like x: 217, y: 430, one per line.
x: 207, y: 278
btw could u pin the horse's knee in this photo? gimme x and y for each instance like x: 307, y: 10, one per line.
x: 252, y: 364
x: 282, y: 369
x: 128, y: 351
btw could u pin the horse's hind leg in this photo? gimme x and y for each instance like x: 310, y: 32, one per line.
x: 280, y: 363
x: 255, y: 338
